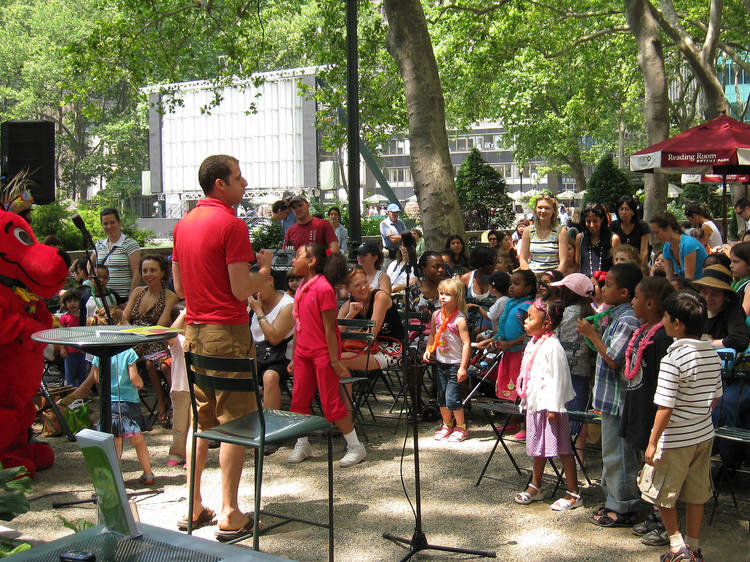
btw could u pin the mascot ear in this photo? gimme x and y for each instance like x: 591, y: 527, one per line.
x: 39, y: 268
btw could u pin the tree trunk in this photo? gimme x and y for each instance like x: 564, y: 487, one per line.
x: 577, y: 170
x: 651, y: 62
x: 408, y: 42
x: 700, y: 59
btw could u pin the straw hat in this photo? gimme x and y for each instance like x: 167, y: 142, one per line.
x: 716, y: 276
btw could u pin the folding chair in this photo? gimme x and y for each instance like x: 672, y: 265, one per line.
x: 507, y: 409
x: 358, y: 329
x: 253, y: 431
x: 731, y: 430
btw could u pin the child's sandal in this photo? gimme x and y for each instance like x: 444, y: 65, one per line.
x: 565, y: 504
x: 525, y: 498
x: 147, y: 479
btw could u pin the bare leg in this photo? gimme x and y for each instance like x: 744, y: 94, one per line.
x: 571, y: 475
x: 118, y: 447
x: 271, y: 390
x: 345, y: 425
x: 669, y: 517
x: 536, y: 475
x: 460, y: 418
x: 201, y: 453
x: 141, y: 449
x: 161, y: 398
x: 694, y: 519
x: 581, y: 441
x: 84, y: 389
x: 445, y: 413
x: 231, y: 458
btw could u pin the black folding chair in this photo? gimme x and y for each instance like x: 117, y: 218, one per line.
x: 253, y: 431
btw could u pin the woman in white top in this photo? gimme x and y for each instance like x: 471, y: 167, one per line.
x: 396, y: 271
x: 370, y: 258
x: 544, y: 245
x: 272, y: 327
x: 700, y: 217
x: 334, y: 217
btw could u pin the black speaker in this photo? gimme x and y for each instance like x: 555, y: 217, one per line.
x: 30, y: 145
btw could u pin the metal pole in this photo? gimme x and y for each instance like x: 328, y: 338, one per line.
x: 352, y: 130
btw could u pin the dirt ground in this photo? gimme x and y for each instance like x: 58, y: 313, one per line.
x: 370, y: 500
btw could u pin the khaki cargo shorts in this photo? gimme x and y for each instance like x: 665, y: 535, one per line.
x: 683, y: 473
x: 221, y: 340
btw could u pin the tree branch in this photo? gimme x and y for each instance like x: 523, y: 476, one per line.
x: 165, y: 15
x: 473, y: 10
x: 591, y: 37
x: 571, y: 14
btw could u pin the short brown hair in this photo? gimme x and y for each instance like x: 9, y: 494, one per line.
x: 216, y: 167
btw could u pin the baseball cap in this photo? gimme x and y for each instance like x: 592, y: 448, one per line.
x: 576, y: 282
x: 368, y: 248
x: 394, y: 208
x: 297, y: 199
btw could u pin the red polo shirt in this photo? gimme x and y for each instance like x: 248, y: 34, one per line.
x: 206, y: 241
x: 317, y: 230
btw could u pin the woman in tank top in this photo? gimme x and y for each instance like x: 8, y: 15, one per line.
x: 700, y: 217
x: 544, y: 245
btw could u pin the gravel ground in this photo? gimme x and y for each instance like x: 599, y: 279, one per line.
x: 369, y: 500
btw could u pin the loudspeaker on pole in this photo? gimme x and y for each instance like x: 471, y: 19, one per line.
x: 30, y: 145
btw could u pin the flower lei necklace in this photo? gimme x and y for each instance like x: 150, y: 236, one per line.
x: 443, y: 325
x: 630, y: 372
x: 522, y: 384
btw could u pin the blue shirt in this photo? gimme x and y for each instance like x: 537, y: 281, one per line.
x: 510, y: 324
x: 688, y: 245
x: 387, y: 228
x: 122, y: 389
x: 290, y: 220
x: 607, y: 394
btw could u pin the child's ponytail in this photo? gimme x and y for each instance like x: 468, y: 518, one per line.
x: 331, y: 264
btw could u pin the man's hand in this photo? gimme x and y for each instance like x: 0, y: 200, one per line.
x: 264, y: 259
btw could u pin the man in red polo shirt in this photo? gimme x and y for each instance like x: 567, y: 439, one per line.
x: 309, y: 228
x: 210, y: 266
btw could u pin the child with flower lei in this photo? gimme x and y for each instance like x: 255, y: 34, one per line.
x: 544, y: 387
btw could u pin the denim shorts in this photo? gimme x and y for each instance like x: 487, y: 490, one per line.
x: 449, y: 391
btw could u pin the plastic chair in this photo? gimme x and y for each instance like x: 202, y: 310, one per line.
x: 253, y: 431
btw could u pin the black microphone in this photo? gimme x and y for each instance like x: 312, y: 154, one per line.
x: 408, y: 240
x: 80, y: 225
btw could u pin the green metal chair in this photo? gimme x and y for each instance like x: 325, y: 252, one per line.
x: 254, y: 431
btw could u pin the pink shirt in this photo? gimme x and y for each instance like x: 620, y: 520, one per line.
x: 68, y: 321
x: 206, y: 241
x: 311, y: 299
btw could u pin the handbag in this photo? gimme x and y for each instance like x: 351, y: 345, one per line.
x: 270, y: 354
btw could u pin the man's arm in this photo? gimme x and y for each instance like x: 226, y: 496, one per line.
x: 244, y: 283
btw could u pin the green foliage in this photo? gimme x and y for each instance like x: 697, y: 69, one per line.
x: 76, y: 526
x: 481, y: 189
x: 371, y: 226
x: 9, y: 548
x: 703, y: 194
x: 607, y: 184
x: 13, y: 489
x: 268, y: 236
x: 55, y: 218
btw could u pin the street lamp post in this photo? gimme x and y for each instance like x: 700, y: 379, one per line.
x: 520, y: 174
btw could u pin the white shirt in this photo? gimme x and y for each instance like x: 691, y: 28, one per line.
x: 179, y: 371
x: 549, y: 379
x: 257, y: 331
x: 689, y: 381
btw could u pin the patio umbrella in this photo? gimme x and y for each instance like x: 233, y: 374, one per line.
x: 720, y: 146
x: 673, y: 192
x: 515, y: 195
x: 566, y: 195
x: 579, y: 195
x: 376, y: 198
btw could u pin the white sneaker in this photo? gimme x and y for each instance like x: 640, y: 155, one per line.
x: 354, y: 455
x: 301, y: 452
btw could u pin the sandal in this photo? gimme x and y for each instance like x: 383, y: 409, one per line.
x: 525, y: 498
x: 565, y: 504
x: 619, y: 519
x: 205, y: 517
x: 223, y: 535
x: 146, y: 479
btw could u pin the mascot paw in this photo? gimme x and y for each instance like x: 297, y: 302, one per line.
x: 42, y: 454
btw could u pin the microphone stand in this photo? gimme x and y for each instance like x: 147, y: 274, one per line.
x: 418, y: 540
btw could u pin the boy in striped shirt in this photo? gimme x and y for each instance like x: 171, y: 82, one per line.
x: 678, y: 457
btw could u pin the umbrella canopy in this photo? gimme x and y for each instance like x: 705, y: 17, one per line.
x: 376, y: 198
x: 567, y: 194
x: 579, y: 195
x: 515, y: 195
x: 673, y: 192
x: 716, y: 146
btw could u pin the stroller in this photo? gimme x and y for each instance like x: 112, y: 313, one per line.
x: 482, y: 372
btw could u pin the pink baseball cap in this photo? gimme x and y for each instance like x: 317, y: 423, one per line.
x: 576, y: 282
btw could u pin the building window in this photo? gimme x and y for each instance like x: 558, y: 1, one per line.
x: 461, y: 144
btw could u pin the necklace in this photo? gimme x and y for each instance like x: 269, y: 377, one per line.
x: 591, y: 251
x: 522, y: 384
x: 632, y: 371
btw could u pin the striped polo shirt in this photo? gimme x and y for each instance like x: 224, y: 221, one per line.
x: 544, y: 254
x: 116, y: 258
x: 689, y: 380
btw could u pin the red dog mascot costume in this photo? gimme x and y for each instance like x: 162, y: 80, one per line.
x: 28, y: 270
